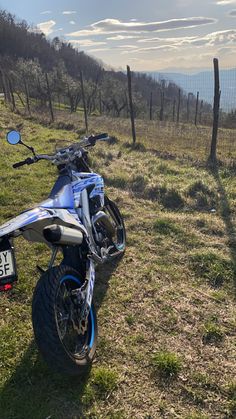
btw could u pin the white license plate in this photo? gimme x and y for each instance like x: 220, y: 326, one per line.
x: 7, y: 266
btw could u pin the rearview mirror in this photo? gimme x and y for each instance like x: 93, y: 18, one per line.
x: 13, y: 137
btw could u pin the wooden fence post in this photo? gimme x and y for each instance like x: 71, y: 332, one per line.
x: 131, y: 104
x: 188, y: 103
x: 84, y: 101
x: 100, y: 102
x: 27, y: 95
x: 196, y: 110
x: 174, y: 106
x: 162, y: 105
x: 178, y: 107
x: 49, y: 98
x: 150, y: 107
x: 5, y: 87
x: 216, y: 108
x: 200, y: 113
x: 12, y: 95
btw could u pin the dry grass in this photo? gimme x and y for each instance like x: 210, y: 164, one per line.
x: 160, y: 299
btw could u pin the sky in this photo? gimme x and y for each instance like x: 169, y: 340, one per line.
x: 148, y: 35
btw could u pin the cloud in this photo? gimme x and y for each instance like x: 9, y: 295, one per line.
x: 72, y: 22
x: 178, y: 40
x: 69, y: 12
x: 46, y: 12
x: 121, y: 37
x: 232, y: 13
x: 126, y: 46
x: 98, y: 49
x: 227, y: 37
x: 109, y: 26
x: 85, y: 42
x: 164, y: 48
x: 225, y: 2
x: 46, y: 27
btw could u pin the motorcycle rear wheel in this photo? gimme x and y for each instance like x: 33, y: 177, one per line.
x: 58, y: 340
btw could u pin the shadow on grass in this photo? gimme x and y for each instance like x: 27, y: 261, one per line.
x: 35, y: 391
x: 226, y: 216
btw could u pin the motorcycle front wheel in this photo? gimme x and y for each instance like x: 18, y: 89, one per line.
x: 61, y: 342
x: 119, y: 241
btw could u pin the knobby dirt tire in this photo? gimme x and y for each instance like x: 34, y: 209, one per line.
x: 45, y: 325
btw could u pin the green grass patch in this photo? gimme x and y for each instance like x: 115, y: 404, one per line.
x: 204, y: 198
x: 212, y: 267
x: 104, y: 381
x: 166, y: 364
x: 166, y: 227
x: 212, y: 333
x: 130, y: 319
x: 232, y: 400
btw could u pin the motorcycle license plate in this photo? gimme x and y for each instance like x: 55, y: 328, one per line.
x: 7, y: 265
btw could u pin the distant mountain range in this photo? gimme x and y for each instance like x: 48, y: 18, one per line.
x: 203, y: 83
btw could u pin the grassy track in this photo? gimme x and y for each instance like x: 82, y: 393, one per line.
x: 166, y: 312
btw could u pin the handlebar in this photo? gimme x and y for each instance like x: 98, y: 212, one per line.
x: 28, y: 161
x: 58, y: 157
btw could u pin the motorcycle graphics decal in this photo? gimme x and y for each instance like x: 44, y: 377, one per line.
x: 38, y: 214
x: 83, y: 181
x: 22, y: 220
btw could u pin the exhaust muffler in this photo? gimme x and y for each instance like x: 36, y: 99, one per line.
x: 58, y: 234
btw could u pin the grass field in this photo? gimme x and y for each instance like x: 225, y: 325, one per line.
x: 166, y: 311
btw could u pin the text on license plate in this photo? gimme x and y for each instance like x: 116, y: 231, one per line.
x: 6, y: 264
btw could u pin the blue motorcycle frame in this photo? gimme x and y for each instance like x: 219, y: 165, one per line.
x: 80, y: 221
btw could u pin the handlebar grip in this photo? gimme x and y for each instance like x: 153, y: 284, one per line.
x: 93, y: 138
x: 100, y: 136
x: 23, y: 162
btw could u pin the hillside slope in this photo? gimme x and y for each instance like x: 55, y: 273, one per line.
x: 166, y: 311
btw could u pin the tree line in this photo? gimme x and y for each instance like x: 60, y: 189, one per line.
x: 41, y: 73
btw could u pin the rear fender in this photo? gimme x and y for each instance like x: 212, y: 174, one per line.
x: 31, y: 223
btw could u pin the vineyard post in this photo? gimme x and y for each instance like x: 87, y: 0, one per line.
x: 162, y: 105
x: 12, y: 95
x: 174, y: 105
x: 150, y: 109
x: 188, y: 103
x: 100, y: 102
x: 196, y: 110
x: 27, y: 94
x: 5, y: 87
x: 200, y: 113
x: 49, y: 97
x: 131, y: 104
x: 84, y: 102
x: 178, y: 107
x: 216, y: 107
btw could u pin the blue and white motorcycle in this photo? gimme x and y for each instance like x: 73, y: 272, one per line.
x: 79, y: 220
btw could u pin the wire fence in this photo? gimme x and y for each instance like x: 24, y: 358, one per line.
x: 174, y: 113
